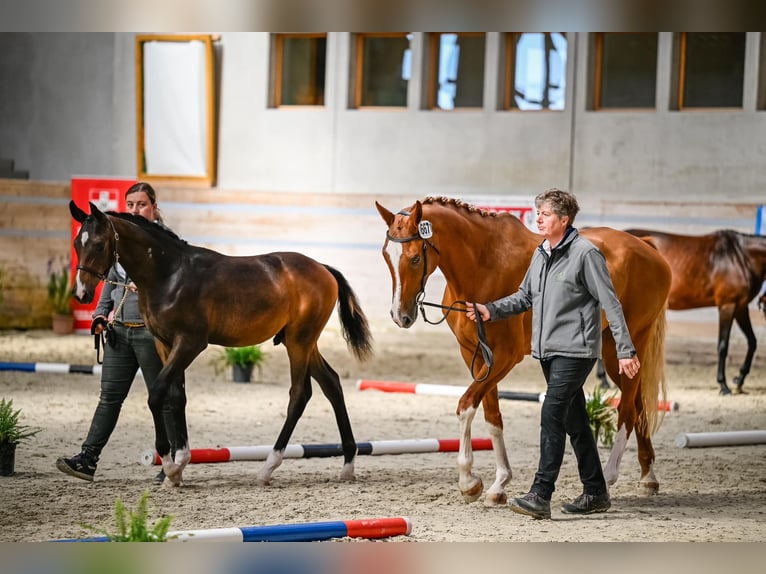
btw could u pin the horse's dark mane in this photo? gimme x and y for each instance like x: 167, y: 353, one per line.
x: 147, y: 225
x: 460, y: 204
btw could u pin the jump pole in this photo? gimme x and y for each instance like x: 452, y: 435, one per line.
x: 729, y: 438
x: 455, y: 391
x: 374, y: 448
x: 60, y: 368
x: 63, y: 368
x: 310, y: 532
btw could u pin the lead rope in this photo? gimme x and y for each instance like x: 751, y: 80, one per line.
x: 482, y: 345
x: 106, y: 334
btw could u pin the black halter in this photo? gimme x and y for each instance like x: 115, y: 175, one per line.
x: 482, y: 345
x: 103, y: 276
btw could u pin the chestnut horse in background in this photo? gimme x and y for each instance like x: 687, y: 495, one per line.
x: 190, y: 296
x: 723, y: 269
x: 484, y: 256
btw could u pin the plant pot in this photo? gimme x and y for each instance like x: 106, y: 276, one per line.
x: 242, y: 374
x: 63, y: 324
x: 7, y: 458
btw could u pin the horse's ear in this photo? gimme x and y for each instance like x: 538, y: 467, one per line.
x: 387, y: 216
x: 77, y: 214
x: 417, y: 211
x: 95, y: 211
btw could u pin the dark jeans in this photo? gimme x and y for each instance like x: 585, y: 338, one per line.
x: 563, y: 413
x: 135, y: 348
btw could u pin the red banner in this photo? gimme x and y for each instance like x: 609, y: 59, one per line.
x: 109, y: 195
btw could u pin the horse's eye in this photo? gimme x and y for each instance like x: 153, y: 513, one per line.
x: 415, y: 260
x: 100, y: 247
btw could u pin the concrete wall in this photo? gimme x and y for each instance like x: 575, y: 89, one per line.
x: 68, y: 107
x: 305, y: 179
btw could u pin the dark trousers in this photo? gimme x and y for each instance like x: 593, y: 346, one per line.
x: 563, y: 413
x: 135, y: 349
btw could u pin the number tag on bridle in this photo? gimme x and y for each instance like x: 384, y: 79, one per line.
x: 424, y: 229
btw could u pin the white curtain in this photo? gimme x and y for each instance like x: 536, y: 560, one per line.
x: 175, y: 108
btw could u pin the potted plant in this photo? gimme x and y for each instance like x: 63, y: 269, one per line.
x: 602, y: 416
x: 241, y: 359
x: 60, y: 298
x: 12, y: 432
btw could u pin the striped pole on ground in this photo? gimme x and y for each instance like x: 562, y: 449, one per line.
x: 727, y: 438
x: 374, y: 448
x: 456, y: 391
x: 310, y: 532
x: 51, y: 368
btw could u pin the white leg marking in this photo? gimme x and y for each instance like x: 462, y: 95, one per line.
x: 612, y: 470
x: 272, y: 463
x: 496, y: 493
x: 470, y: 484
x: 347, y: 473
x: 174, y: 468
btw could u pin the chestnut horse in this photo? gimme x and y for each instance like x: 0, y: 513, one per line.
x: 484, y: 256
x: 191, y: 296
x: 723, y: 269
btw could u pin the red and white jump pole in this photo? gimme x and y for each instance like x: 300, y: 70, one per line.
x: 456, y: 391
x: 374, y: 448
x: 728, y: 438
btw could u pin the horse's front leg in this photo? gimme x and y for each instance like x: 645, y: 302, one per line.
x: 496, y: 495
x: 470, y: 484
x: 167, y: 402
x: 743, y: 320
x: 725, y: 319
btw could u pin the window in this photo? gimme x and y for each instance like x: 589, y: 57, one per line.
x: 536, y: 76
x: 711, y: 70
x: 626, y: 71
x: 175, y: 108
x: 299, y: 77
x: 382, y: 69
x: 456, y: 71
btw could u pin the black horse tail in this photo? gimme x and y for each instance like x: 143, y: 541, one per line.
x: 353, y: 321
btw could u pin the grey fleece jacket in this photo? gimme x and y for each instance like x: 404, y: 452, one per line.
x: 566, y: 291
x: 111, y: 295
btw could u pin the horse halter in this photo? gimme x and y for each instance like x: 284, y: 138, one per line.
x: 103, y: 276
x: 424, y: 234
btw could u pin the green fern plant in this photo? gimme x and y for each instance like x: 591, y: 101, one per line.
x: 242, y: 356
x: 132, y: 524
x: 602, y: 416
x: 11, y: 429
x: 60, y: 291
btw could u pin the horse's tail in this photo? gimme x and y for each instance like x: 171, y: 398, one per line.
x: 653, y: 384
x: 353, y: 322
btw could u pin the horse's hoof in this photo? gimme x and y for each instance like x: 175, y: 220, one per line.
x: 649, y: 488
x: 495, y: 499
x: 167, y: 483
x: 347, y: 477
x: 725, y: 391
x: 473, y: 493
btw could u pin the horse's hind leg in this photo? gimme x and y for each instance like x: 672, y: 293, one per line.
x: 743, y: 320
x: 300, y: 393
x: 329, y: 382
x: 648, y: 482
x: 496, y: 495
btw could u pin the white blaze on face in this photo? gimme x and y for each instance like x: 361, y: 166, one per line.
x: 79, y: 285
x: 394, y: 254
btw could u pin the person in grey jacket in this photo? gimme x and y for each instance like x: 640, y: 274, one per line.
x: 566, y: 286
x: 130, y: 347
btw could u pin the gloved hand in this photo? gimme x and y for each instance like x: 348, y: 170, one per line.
x: 98, y: 325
